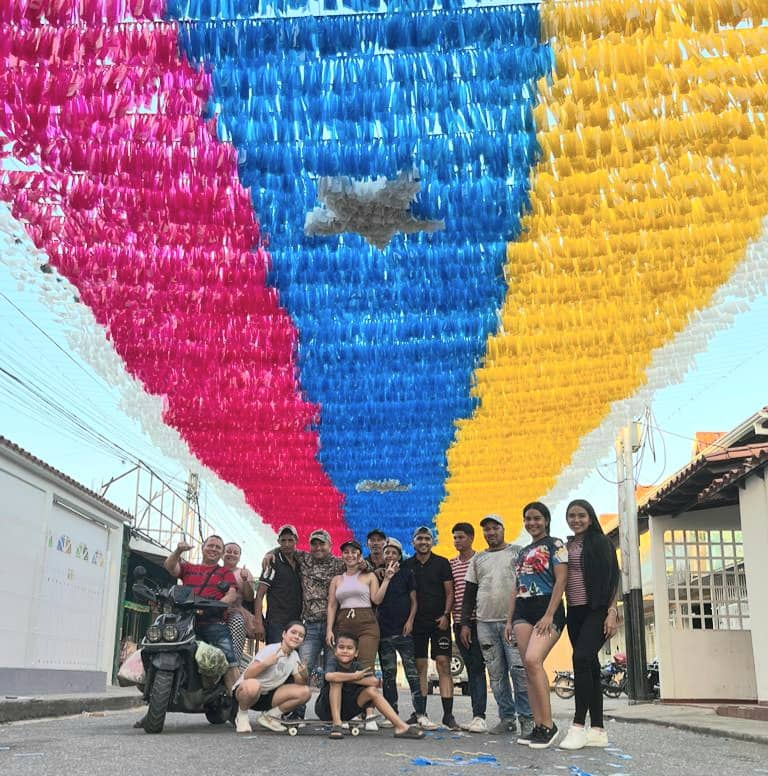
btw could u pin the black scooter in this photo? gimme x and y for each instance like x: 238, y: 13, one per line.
x: 172, y: 679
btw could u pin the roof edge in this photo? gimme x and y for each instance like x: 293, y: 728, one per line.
x: 23, y: 457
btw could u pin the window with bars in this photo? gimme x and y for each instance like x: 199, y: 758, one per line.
x: 705, y: 580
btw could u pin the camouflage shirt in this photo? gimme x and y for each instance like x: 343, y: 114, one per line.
x: 316, y: 576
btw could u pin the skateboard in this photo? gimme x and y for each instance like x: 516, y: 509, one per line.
x: 310, y: 728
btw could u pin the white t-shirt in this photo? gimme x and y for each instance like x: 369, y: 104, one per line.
x: 494, y: 575
x: 277, y: 674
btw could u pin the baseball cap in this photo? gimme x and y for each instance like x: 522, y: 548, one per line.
x: 492, y: 519
x: 392, y: 542
x: 422, y: 529
x: 376, y: 532
x: 351, y: 543
x: 324, y: 536
x: 287, y: 528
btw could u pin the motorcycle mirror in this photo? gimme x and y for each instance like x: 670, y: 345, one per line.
x: 139, y: 572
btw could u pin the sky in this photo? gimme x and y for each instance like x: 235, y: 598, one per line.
x: 56, y: 406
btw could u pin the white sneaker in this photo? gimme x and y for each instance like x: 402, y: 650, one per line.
x: 597, y: 737
x: 371, y: 726
x: 270, y: 723
x: 425, y: 723
x: 242, y: 723
x: 384, y: 723
x: 477, y: 725
x: 575, y: 739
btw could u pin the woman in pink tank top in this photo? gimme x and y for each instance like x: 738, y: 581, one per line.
x: 350, y: 605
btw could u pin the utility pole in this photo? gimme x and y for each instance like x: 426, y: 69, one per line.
x: 191, y: 509
x: 631, y: 576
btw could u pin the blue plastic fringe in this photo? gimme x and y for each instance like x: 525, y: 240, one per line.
x: 388, y: 339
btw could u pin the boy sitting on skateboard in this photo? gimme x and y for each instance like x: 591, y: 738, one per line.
x: 349, y: 690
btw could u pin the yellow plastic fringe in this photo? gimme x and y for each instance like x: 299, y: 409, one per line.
x: 654, y: 178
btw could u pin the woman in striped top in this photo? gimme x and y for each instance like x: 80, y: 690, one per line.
x: 591, y: 589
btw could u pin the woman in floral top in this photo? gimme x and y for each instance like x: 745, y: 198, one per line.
x: 537, y: 616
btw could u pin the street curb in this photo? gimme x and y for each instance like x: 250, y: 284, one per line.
x: 692, y: 728
x: 37, y: 708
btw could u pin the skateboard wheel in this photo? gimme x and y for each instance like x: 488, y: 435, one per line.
x: 293, y: 731
x: 355, y: 731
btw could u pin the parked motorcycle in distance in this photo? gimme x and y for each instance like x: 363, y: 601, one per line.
x: 172, y: 679
x: 613, y: 676
x: 654, y: 683
x: 613, y: 679
x: 563, y: 685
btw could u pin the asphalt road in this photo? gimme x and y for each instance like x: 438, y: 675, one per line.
x: 106, y: 745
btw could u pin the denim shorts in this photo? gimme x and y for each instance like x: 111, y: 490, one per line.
x: 531, y: 610
x: 217, y: 635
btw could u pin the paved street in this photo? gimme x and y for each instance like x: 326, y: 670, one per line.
x: 106, y: 745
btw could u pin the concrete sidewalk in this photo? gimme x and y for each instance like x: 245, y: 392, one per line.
x: 15, y: 709
x: 698, y: 719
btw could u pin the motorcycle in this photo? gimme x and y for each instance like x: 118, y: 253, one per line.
x: 172, y: 680
x: 563, y: 685
x: 613, y: 676
x: 654, y: 683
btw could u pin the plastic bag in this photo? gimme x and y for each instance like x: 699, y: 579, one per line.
x: 211, y: 661
x: 131, y: 671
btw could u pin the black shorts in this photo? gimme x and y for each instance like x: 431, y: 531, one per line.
x: 531, y: 610
x: 441, y: 642
x: 350, y: 704
x: 264, y: 701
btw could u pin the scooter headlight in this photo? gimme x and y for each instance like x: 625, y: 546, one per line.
x: 170, y: 633
x: 154, y: 633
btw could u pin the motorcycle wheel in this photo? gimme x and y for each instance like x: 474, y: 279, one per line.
x: 218, y: 715
x: 611, y: 689
x: 563, y: 687
x: 159, y: 698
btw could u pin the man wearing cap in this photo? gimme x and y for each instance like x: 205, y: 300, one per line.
x: 375, y: 541
x: 489, y: 584
x: 396, y: 614
x: 434, y: 599
x: 317, y: 568
x: 281, y: 583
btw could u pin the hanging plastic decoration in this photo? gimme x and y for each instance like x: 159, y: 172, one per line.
x: 653, y: 182
x: 483, y: 220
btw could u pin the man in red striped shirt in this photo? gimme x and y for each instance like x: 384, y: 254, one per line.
x: 204, y: 579
x: 463, y: 535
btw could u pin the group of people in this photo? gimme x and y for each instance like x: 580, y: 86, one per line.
x: 502, y: 605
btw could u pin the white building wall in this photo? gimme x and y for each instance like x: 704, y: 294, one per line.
x: 699, y: 664
x: 753, y: 502
x: 60, y: 581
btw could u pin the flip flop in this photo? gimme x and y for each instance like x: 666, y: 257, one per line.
x: 414, y: 731
x: 336, y: 732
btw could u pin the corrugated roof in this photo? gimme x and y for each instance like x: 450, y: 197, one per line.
x: 27, y: 456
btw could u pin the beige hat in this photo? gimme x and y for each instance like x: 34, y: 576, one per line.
x: 392, y: 542
x: 287, y: 528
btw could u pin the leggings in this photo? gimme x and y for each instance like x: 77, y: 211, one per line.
x: 585, y: 630
x: 236, y: 624
x: 363, y: 624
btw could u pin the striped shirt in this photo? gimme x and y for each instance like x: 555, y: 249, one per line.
x: 459, y: 570
x: 575, y: 589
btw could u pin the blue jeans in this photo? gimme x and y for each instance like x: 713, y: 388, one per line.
x: 503, y: 661
x: 388, y: 649
x: 314, y: 644
x: 475, y: 665
x: 217, y: 635
x: 309, y: 653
